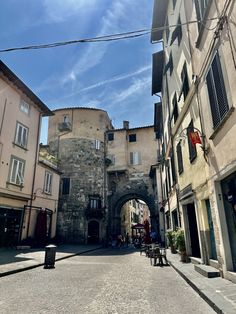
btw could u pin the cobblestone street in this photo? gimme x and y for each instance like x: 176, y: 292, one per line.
x: 105, y: 281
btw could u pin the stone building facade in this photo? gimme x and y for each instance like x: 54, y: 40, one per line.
x: 76, y: 137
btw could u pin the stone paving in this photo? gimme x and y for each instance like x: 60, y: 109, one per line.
x: 219, y: 293
x: 13, y: 260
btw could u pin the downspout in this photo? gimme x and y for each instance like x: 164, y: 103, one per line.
x: 34, y: 173
x: 1, y: 125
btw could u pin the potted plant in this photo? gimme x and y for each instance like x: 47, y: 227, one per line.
x: 171, y: 241
x: 180, y: 244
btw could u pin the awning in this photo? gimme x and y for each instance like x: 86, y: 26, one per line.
x: 158, y: 119
x: 158, y: 19
x: 138, y: 226
x: 157, y: 71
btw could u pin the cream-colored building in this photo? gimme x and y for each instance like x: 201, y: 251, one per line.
x: 130, y: 153
x: 21, y: 112
x: 198, y: 105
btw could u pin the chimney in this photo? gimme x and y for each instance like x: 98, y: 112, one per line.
x: 126, y: 125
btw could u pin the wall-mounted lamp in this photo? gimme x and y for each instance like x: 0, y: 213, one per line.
x: 196, y: 137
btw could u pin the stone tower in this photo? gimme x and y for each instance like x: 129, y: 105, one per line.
x: 77, y: 137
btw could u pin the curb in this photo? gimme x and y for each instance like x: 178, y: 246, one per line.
x: 14, y: 271
x: 202, y: 295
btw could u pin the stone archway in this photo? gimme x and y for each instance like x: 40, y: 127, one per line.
x: 118, y: 199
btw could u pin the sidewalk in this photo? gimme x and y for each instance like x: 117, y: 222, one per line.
x: 219, y: 293
x: 13, y: 260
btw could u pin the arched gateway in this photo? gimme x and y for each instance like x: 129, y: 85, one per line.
x: 123, y: 194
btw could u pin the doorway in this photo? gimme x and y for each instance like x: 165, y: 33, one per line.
x: 229, y: 194
x: 213, y: 254
x: 10, y: 222
x: 193, y: 231
x: 93, y: 232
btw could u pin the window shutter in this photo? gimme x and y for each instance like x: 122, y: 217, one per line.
x: 131, y: 158
x: 179, y: 158
x: 212, y: 98
x: 220, y: 87
x: 216, y: 91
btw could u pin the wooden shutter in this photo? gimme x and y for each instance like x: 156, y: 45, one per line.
x: 216, y: 91
x: 179, y: 158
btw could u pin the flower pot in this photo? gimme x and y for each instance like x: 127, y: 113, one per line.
x: 183, y: 256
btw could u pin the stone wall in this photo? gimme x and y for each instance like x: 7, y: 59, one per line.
x: 80, y: 161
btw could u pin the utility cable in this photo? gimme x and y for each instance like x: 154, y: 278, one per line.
x: 106, y: 38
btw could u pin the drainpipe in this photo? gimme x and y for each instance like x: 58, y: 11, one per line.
x: 1, y: 124
x: 34, y: 173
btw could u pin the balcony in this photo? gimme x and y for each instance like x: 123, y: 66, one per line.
x: 97, y: 213
x: 64, y: 126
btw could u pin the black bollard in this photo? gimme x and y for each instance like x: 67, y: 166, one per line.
x: 50, y: 256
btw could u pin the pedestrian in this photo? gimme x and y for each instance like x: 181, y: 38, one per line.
x: 127, y: 239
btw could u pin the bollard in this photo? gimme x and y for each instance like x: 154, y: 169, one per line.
x: 50, y: 256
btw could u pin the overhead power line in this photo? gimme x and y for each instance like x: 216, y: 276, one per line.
x: 105, y: 38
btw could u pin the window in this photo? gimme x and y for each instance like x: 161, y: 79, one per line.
x: 179, y: 158
x: 24, y: 107
x: 216, y: 91
x: 65, y: 186
x: 110, y: 136
x: 175, y: 219
x: 94, y: 202
x: 173, y: 168
x: 97, y: 144
x: 167, y: 30
x: 110, y: 160
x: 132, y: 137
x: 169, y: 65
x: 17, y: 171
x: 177, y: 33
x: 21, y: 135
x: 185, y: 84
x: 135, y: 158
x: 175, y: 108
x: 201, y: 6
x: 47, y: 183
x: 66, y: 119
x: 191, y: 146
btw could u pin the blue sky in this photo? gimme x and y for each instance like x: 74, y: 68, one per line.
x: 114, y: 76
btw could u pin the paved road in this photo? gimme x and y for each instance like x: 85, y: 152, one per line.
x: 104, y: 281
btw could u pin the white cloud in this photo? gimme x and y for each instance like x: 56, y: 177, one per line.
x: 116, y: 78
x: 135, y: 88
x: 60, y: 10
